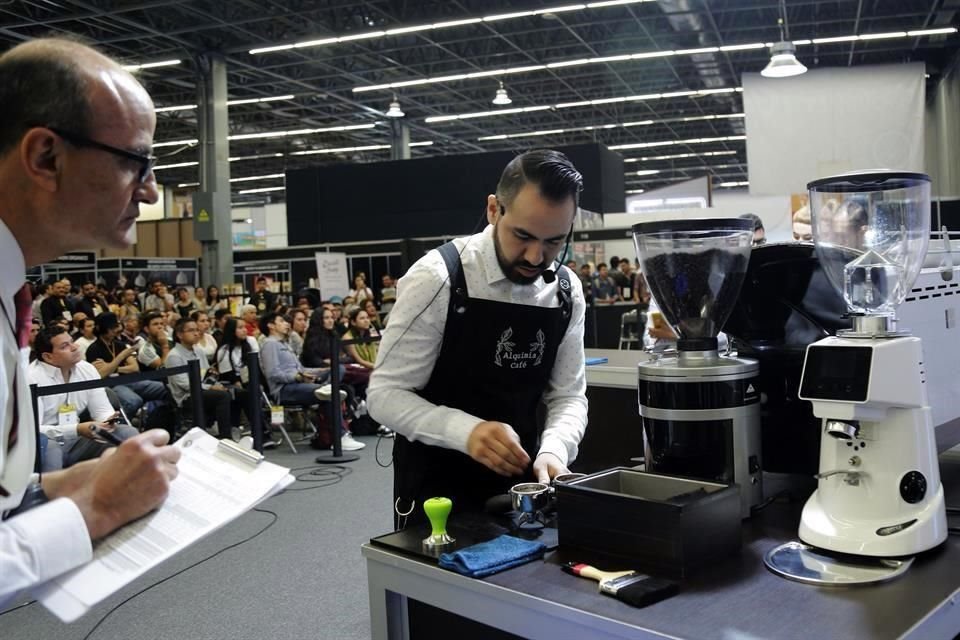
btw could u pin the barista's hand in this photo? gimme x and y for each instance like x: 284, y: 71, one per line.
x: 496, y: 446
x: 547, y: 466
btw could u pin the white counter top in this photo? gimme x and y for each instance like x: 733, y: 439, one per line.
x: 620, y: 370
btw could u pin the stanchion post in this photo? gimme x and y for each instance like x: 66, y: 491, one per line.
x: 254, y: 408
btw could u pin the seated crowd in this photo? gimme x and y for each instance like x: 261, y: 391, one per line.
x: 91, y: 333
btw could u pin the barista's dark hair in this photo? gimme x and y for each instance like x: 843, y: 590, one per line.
x: 550, y: 170
x: 42, y: 86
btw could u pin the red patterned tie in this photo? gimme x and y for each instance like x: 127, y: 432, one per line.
x: 23, y: 302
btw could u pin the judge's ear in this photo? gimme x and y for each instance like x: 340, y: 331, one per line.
x: 41, y: 157
x: 493, y: 209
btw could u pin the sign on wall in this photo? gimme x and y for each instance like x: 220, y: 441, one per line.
x: 333, y: 279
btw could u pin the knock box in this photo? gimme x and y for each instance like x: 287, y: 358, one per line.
x: 668, y: 526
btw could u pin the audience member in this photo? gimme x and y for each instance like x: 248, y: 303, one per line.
x: 200, y: 299
x: 298, y: 329
x: 184, y: 304
x: 318, y: 343
x: 759, y: 233
x: 214, y: 301
x: 75, y: 326
x: 220, y: 317
x: 604, y: 287
x: 56, y: 306
x: 70, y: 441
x: 207, y: 342
x: 86, y: 337
x: 92, y: 303
x: 586, y: 280
x: 364, y: 354
x: 34, y: 330
x: 155, y: 347
x: 360, y: 291
x: 214, y: 396
x: 159, y: 299
x: 128, y: 304
x: 112, y: 358
x: 41, y: 291
x: 388, y: 293
x: 262, y: 298
x: 231, y: 355
x: 131, y: 329
x: 374, y: 315
x: 248, y: 313
x: 289, y: 381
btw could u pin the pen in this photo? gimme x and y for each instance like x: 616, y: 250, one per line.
x: 104, y: 434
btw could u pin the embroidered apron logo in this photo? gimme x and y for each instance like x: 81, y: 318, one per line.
x: 519, y: 359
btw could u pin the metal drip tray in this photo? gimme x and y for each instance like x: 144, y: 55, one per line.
x: 803, y: 563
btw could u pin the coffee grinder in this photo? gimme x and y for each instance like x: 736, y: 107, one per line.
x: 879, y: 491
x: 700, y: 410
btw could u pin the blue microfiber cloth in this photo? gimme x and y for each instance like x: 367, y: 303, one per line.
x: 490, y: 557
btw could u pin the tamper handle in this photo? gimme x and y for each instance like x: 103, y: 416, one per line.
x: 437, y: 510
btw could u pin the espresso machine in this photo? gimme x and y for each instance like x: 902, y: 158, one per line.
x: 700, y: 410
x: 878, y: 493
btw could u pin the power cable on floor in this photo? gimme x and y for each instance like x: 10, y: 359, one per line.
x: 322, y: 476
x: 376, y: 452
x: 19, y: 606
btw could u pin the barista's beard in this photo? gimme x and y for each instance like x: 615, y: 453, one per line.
x: 509, y: 269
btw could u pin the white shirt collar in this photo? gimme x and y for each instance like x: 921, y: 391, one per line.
x: 48, y: 370
x: 13, y: 273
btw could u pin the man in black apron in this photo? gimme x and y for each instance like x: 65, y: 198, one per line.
x: 484, y: 329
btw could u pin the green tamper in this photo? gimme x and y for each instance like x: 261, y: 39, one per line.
x: 437, y: 510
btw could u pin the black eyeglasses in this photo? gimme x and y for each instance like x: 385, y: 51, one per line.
x: 146, y: 162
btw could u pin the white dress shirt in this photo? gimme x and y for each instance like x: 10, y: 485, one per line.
x: 48, y: 407
x: 50, y: 539
x: 405, y: 364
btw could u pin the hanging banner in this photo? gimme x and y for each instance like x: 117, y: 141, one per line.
x: 333, y: 279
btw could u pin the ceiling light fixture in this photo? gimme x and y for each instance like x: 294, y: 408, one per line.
x: 320, y: 42
x: 584, y: 103
x: 230, y: 103
x: 783, y: 55
x: 599, y: 127
x: 645, y: 55
x: 669, y: 143
x: 783, y: 62
x: 501, y: 98
x: 394, y: 111
x: 678, y: 156
x: 268, y: 134
x: 260, y: 190
x: 151, y: 65
x: 730, y: 185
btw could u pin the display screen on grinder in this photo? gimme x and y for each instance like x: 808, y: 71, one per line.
x: 837, y: 373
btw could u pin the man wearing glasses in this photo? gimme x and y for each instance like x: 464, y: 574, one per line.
x: 76, y: 132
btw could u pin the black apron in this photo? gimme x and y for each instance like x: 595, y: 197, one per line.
x: 494, y: 363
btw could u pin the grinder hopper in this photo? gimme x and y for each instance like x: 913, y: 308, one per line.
x: 694, y: 269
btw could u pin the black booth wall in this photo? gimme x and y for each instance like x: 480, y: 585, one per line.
x: 426, y: 197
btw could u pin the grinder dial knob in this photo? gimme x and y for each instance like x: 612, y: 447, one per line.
x: 913, y: 487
